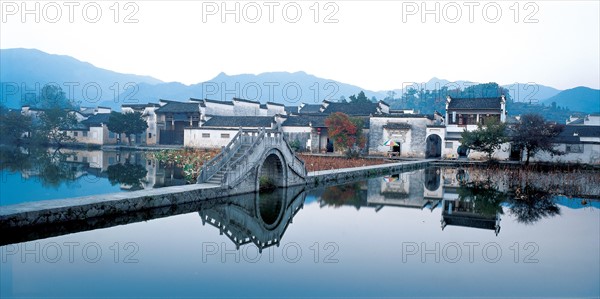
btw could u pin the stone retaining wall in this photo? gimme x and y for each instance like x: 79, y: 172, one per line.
x: 109, y: 205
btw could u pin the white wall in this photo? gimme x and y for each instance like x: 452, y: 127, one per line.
x: 192, y: 137
x: 590, y: 155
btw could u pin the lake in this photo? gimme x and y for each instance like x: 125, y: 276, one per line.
x: 434, y: 232
x: 53, y: 174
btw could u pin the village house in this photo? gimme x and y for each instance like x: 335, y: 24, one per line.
x: 464, y: 114
x: 172, y: 117
x: 308, y: 132
x: 579, y: 141
x: 405, y: 135
x: 148, y: 111
x: 218, y: 131
x: 305, y: 124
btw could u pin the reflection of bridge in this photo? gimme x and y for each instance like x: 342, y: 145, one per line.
x: 252, y: 155
x: 261, y: 219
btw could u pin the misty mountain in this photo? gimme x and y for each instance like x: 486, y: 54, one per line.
x: 26, y: 71
x: 580, y: 98
x: 281, y: 87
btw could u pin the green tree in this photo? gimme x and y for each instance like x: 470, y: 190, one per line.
x: 360, y: 99
x: 12, y: 126
x: 50, y: 96
x: 54, y: 122
x: 486, y: 138
x: 126, y: 123
x: 534, y: 134
x: 390, y: 96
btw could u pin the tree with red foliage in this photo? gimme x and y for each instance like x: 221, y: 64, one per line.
x: 346, y: 132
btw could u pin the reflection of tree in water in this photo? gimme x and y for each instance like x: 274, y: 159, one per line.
x: 14, y: 159
x: 127, y: 174
x: 484, y: 195
x: 349, y: 194
x: 530, y: 205
x: 49, y: 166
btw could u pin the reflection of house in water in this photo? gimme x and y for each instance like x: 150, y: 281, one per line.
x: 97, y: 162
x: 426, y: 188
x: 416, y: 189
x: 465, y: 213
x: 467, y: 210
x: 261, y: 219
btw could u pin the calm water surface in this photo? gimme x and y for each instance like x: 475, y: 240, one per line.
x: 41, y: 174
x: 437, y: 232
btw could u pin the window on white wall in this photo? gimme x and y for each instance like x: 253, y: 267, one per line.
x: 224, y: 135
x: 205, y: 135
x: 449, y: 144
x: 574, y: 148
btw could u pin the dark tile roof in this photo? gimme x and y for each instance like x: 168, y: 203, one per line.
x: 407, y: 115
x: 317, y: 121
x: 352, y: 109
x: 579, y: 121
x: 247, y: 101
x: 240, y: 121
x: 275, y: 104
x: 291, y: 109
x: 140, y: 106
x: 569, y: 132
x: 397, y: 126
x: 263, y: 106
x: 179, y: 107
x: 475, y: 103
x: 199, y: 101
x: 219, y: 102
x: 96, y: 120
x: 310, y: 108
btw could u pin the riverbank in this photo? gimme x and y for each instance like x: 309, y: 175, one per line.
x: 47, y: 212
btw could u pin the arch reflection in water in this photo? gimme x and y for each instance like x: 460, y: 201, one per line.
x: 258, y: 218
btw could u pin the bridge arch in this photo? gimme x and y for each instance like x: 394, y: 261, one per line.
x: 251, y: 155
x: 273, y: 168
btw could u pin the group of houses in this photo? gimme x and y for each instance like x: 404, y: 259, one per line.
x: 206, y: 123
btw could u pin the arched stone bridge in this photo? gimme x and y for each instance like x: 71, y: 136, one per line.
x: 252, y: 155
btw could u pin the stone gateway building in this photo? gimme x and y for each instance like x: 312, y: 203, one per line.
x: 403, y: 135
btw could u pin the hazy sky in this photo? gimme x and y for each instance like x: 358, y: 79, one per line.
x: 376, y: 45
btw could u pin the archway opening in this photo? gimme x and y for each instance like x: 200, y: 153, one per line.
x: 271, y: 174
x: 433, y: 147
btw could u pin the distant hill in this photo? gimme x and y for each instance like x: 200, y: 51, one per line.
x: 519, y: 92
x: 281, y: 87
x: 24, y: 69
x: 581, y: 99
x: 530, y: 92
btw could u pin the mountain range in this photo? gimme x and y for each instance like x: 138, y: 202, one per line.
x: 27, y: 70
